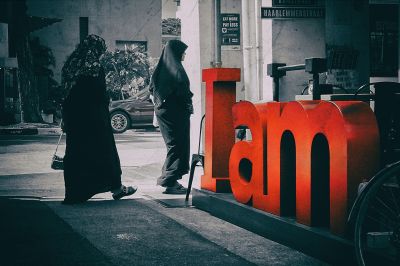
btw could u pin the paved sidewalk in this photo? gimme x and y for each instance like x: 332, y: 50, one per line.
x: 102, y: 233
x: 39, y: 230
x: 143, y: 229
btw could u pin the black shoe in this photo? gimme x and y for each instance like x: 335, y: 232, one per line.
x: 125, y: 191
x: 176, y: 189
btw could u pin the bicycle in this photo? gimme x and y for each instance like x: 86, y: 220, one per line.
x: 377, y: 219
x: 376, y: 211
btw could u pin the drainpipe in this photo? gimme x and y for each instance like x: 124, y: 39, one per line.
x: 19, y: 96
x: 259, y: 74
x: 217, y: 34
x: 247, y: 50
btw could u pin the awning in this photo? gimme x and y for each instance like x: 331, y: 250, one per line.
x: 37, y: 23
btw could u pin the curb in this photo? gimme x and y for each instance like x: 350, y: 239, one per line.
x: 49, y: 131
x: 18, y: 131
x: 30, y: 131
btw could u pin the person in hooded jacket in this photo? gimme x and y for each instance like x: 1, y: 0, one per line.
x: 91, y: 161
x: 170, y: 90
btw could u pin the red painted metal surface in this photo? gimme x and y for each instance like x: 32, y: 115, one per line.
x: 351, y: 132
x: 254, y: 117
x: 219, y: 136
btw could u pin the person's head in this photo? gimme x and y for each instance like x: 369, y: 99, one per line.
x: 177, y: 48
x: 84, y: 60
x: 92, y: 44
x: 169, y: 68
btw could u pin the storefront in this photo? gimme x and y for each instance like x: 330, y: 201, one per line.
x: 302, y: 161
x: 358, y: 40
x: 9, y: 98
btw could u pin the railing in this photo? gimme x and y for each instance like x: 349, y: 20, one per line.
x: 314, y: 66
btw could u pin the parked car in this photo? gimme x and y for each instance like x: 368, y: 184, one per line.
x: 131, y: 113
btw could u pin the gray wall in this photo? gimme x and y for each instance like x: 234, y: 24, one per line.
x: 131, y: 20
x: 3, y: 40
x: 293, y: 40
x: 290, y: 41
x: 169, y: 9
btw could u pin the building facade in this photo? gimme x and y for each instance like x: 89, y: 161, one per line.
x: 359, y: 39
x: 119, y: 22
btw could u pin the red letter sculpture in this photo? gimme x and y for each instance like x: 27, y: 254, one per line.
x: 334, y: 144
x: 219, y: 136
x: 247, y: 165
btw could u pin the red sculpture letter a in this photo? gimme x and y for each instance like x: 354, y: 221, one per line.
x: 247, y: 166
x: 219, y: 133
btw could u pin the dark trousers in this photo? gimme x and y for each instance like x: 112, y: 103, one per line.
x: 174, y: 123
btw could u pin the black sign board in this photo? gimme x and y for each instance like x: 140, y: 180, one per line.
x: 294, y: 2
x: 292, y: 12
x: 230, y: 29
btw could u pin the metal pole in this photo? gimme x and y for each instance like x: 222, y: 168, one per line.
x: 292, y: 67
x: 275, y: 95
x: 257, y: 23
x: 316, y: 94
x: 217, y: 34
x: 19, y: 95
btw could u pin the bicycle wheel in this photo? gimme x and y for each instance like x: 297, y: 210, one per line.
x: 377, y: 227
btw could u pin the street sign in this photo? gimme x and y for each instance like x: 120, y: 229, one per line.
x: 230, y: 30
x: 292, y: 12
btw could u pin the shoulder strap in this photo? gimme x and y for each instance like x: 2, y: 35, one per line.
x: 59, y: 139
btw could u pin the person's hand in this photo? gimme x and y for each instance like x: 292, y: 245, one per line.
x: 63, y: 126
x: 152, y: 98
x: 190, y: 108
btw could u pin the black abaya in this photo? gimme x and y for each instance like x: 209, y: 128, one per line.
x: 91, y: 162
x: 174, y: 123
x: 173, y: 107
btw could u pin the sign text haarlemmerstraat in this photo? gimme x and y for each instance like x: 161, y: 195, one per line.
x: 292, y: 12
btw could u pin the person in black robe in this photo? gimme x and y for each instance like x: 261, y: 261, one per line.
x: 170, y: 90
x: 91, y: 161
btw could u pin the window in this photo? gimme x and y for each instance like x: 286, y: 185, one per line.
x: 384, y: 40
x: 83, y: 27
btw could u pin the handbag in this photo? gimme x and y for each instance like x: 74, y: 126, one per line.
x: 57, y: 162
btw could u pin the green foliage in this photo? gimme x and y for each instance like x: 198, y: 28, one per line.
x: 127, y: 71
x: 171, y: 26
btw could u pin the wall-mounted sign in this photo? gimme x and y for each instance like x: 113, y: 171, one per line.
x: 292, y: 12
x: 294, y: 2
x: 230, y: 30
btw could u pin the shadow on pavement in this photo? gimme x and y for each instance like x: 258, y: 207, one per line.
x: 32, y: 234
x: 125, y: 232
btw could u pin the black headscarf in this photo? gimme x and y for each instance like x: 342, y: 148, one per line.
x: 169, y: 74
x: 84, y: 60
